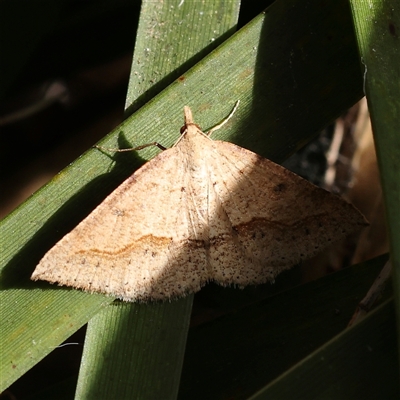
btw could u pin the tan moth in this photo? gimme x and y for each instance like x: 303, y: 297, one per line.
x: 200, y: 211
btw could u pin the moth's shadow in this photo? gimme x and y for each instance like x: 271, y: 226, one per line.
x: 17, y: 272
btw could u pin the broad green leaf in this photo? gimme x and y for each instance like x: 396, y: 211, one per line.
x: 377, y: 26
x: 357, y: 364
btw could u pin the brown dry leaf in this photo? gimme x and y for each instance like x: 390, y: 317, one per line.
x: 201, y: 211
x: 366, y: 191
